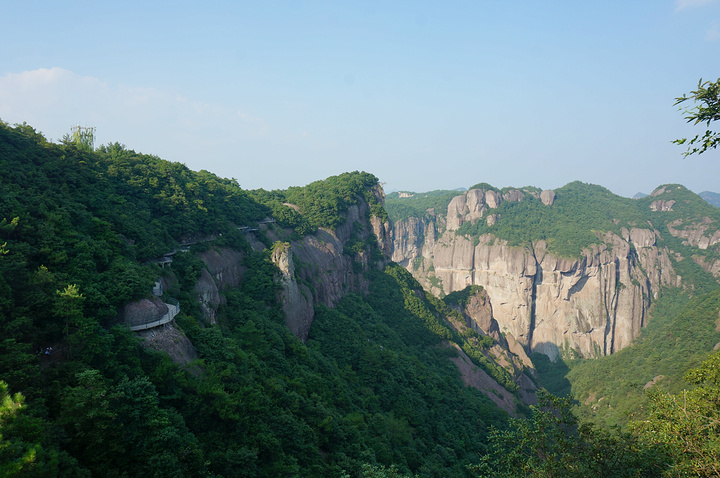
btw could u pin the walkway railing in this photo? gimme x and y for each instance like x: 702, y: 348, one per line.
x: 173, y: 310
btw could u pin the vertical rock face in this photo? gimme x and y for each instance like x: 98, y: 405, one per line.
x: 383, y: 233
x: 316, y: 268
x: 296, y: 298
x: 595, y: 305
x: 547, y: 197
x: 209, y: 296
x: 223, y: 268
x: 479, y: 315
x: 322, y: 263
x: 321, y: 260
x: 224, y: 265
x: 505, y: 352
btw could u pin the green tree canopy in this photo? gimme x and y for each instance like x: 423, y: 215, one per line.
x: 687, y: 424
x: 707, y: 111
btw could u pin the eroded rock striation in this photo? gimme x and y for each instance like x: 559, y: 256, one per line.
x: 594, y: 305
x: 296, y: 299
x: 505, y: 352
x: 319, y: 268
x: 223, y: 268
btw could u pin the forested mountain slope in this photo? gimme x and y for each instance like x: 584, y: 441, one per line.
x: 227, y: 388
x: 680, y: 334
x: 293, y: 346
x: 593, y: 251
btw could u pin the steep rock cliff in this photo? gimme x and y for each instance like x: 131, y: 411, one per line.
x: 318, y: 268
x: 223, y: 268
x: 324, y: 266
x: 296, y: 299
x: 594, y: 305
x: 475, y: 308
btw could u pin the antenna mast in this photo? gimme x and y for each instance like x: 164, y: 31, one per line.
x: 83, y: 137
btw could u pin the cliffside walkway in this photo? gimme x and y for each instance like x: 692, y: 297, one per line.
x: 167, y: 258
x: 173, y: 310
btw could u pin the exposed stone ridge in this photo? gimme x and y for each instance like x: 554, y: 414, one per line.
x: 472, y: 205
x: 702, y: 234
x: 694, y: 234
x: 658, y: 191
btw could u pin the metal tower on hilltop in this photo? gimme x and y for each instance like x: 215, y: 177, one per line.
x: 83, y: 136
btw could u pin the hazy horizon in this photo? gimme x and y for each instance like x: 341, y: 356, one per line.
x: 277, y: 93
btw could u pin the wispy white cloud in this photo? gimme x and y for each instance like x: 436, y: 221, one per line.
x: 52, y: 99
x: 222, y: 138
x: 40, y: 96
x: 683, y: 4
x: 146, y: 119
x: 259, y: 125
x: 713, y: 33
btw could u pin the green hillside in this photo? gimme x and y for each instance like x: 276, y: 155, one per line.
x: 417, y: 204
x: 373, y: 387
x: 371, y: 393
x: 680, y: 334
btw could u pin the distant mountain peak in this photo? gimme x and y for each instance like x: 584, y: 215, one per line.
x: 710, y: 197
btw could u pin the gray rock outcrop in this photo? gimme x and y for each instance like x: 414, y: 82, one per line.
x: 171, y: 340
x: 296, y: 299
x: 223, y: 268
x: 547, y: 197
x: 143, y: 311
x: 661, y: 205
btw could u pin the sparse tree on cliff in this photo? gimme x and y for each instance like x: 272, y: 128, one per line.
x: 707, y: 111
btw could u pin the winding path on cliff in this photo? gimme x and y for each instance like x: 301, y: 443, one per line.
x: 173, y: 310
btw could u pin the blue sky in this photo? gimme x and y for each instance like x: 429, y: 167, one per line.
x: 425, y: 95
